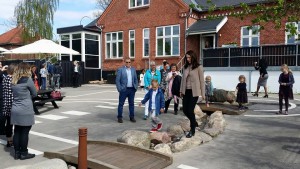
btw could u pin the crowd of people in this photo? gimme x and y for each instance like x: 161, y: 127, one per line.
x: 167, y: 84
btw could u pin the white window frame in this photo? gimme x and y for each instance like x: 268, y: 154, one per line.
x: 295, y: 36
x: 136, y: 6
x: 164, y: 38
x: 99, y: 47
x: 114, y: 41
x: 250, y: 36
x: 146, y: 38
x: 129, y: 46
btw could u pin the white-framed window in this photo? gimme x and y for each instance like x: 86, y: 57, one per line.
x: 114, y: 45
x: 92, y: 52
x: 292, y: 39
x: 131, y: 43
x: 250, y: 36
x: 168, y: 40
x: 138, y: 3
x: 146, y: 42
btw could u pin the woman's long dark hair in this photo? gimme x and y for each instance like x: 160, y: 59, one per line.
x: 263, y: 63
x: 194, y: 60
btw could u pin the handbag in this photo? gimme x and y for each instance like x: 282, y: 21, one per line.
x: 56, y: 94
x: 36, y: 84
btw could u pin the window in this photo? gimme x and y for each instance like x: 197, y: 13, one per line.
x: 132, y: 43
x: 250, y: 36
x: 91, y: 51
x: 146, y: 42
x: 114, y: 45
x: 138, y: 3
x: 167, y: 41
x: 289, y: 39
x: 76, y: 45
x: 65, y: 41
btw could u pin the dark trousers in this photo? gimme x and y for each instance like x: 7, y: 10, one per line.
x: 8, y: 127
x: 286, y: 100
x: 76, y: 79
x: 189, y: 102
x: 167, y: 104
x: 21, y: 138
x: 44, y: 83
x: 130, y: 94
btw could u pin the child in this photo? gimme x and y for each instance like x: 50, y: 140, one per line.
x: 156, y: 105
x: 208, y: 89
x: 286, y: 81
x: 44, y: 74
x: 142, y: 83
x: 7, y: 103
x: 242, y: 97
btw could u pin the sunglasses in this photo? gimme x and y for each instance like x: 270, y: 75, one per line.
x: 128, y: 62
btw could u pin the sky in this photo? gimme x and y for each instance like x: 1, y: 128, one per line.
x: 69, y: 13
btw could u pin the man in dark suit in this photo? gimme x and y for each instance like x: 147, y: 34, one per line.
x: 127, y: 85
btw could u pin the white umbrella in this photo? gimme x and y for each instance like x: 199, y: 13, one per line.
x: 42, y: 46
x: 3, y: 50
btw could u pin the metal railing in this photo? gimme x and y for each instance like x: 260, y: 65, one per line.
x: 276, y: 55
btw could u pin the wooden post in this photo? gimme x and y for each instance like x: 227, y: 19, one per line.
x: 82, y: 148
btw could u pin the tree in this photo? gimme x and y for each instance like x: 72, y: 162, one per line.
x: 276, y: 12
x: 36, y: 16
x: 101, y: 5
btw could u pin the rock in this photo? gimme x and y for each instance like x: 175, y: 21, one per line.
x: 186, y: 143
x: 163, y: 148
x: 213, y: 132
x: 205, y: 137
x: 175, y: 130
x: 220, y: 95
x: 185, y: 124
x: 47, y: 164
x: 215, y: 125
x: 198, y: 112
x: 160, y: 137
x: 136, y: 138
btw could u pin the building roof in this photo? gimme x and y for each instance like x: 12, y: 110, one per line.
x: 204, y: 26
x: 93, y: 23
x: 222, y: 3
x: 12, y: 37
x: 78, y: 28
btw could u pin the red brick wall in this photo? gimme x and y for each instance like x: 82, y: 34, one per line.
x: 120, y: 18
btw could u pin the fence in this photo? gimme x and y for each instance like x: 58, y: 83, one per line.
x: 276, y: 55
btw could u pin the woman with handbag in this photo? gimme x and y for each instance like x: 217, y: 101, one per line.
x: 192, y: 87
x: 22, y: 113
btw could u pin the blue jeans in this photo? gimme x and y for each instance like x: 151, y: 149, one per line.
x: 130, y: 94
x: 43, y: 83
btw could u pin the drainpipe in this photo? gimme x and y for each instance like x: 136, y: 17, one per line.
x: 101, y: 49
x: 186, y: 27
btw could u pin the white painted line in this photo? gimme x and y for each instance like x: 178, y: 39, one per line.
x: 290, y: 115
x: 54, y: 138
x: 88, y: 94
x: 75, y: 113
x: 182, y: 166
x: 293, y: 106
x: 106, y: 107
x: 37, y: 122
x: 32, y: 151
x: 52, y: 117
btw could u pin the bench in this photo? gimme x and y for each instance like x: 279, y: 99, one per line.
x: 44, y: 96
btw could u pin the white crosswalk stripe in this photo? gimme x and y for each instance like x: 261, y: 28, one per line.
x: 106, y: 107
x: 52, y: 117
x: 76, y: 113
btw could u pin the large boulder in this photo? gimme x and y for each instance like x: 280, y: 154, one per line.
x: 163, y: 148
x: 135, y: 138
x: 186, y: 143
x: 160, y: 137
x: 198, y: 112
x: 205, y: 137
x: 47, y: 164
x: 220, y: 95
x: 175, y: 131
x: 215, y: 125
x: 185, y: 124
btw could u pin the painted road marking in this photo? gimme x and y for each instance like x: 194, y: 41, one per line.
x: 290, y: 108
x: 53, y: 137
x: 52, y: 117
x: 290, y: 115
x: 37, y: 122
x: 88, y: 94
x: 182, y: 166
x: 106, y: 107
x: 32, y: 151
x: 75, y: 113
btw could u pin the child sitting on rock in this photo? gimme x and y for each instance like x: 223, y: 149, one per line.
x: 156, y: 100
x: 208, y: 89
x: 242, y: 97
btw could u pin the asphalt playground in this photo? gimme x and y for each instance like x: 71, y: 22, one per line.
x: 256, y: 139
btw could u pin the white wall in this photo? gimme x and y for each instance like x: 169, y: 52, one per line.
x: 229, y: 79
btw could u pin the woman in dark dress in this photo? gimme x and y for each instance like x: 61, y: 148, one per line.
x: 242, y: 97
x: 286, y: 81
x: 262, y: 66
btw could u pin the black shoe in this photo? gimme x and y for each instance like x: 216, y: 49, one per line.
x: 190, y: 134
x: 9, y: 144
x: 17, y: 155
x: 120, y: 120
x: 26, y: 155
x: 255, y: 94
x: 175, y: 112
x: 132, y: 120
x: 266, y: 96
